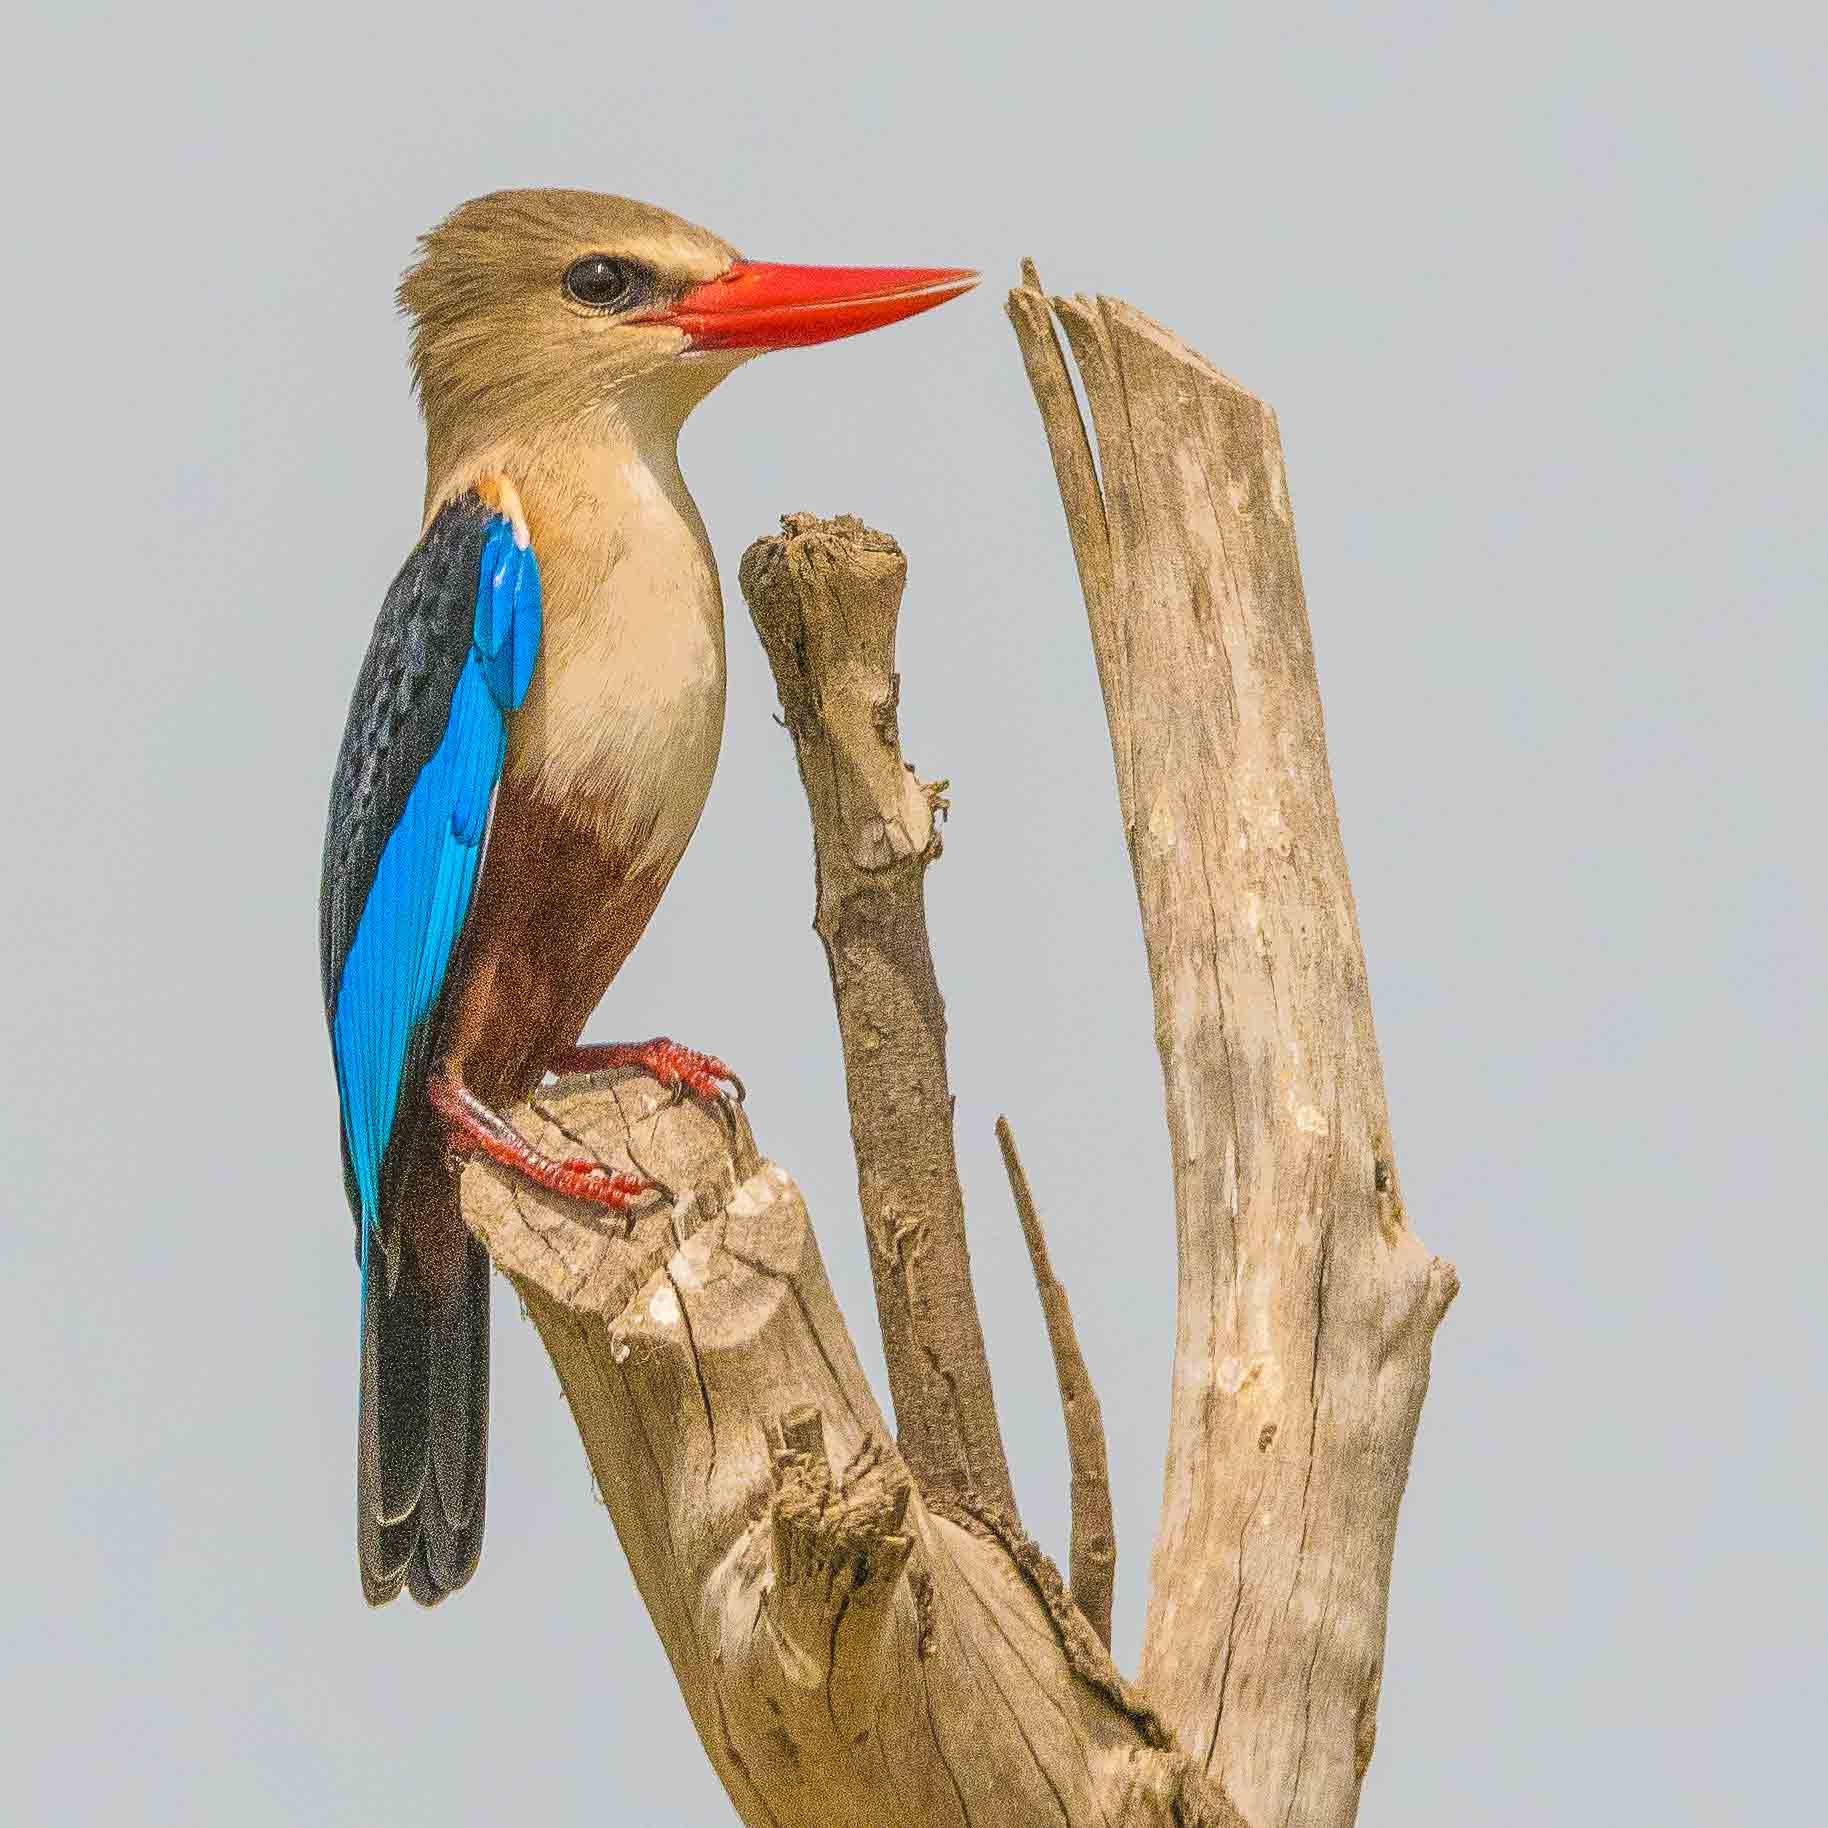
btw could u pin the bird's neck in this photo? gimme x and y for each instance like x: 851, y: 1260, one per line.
x: 591, y: 489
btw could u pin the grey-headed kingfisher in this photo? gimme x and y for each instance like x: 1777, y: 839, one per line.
x: 529, y: 747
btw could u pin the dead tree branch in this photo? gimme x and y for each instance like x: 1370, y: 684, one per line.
x: 825, y: 597
x: 850, y: 1656
x: 1306, y: 1304
x: 1092, y: 1558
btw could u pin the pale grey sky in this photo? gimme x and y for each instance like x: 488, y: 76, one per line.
x: 1537, y: 292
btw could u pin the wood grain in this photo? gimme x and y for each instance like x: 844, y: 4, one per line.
x: 825, y: 597
x: 1092, y: 1553
x: 1306, y: 1304
x: 851, y: 1655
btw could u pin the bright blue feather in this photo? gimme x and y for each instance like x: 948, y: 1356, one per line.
x: 408, y: 929
x: 508, y: 616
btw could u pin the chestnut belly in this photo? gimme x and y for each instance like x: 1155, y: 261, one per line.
x: 557, y: 910
x: 556, y: 913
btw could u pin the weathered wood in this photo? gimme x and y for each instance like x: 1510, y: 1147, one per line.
x: 1092, y: 1555
x: 1306, y: 1304
x: 850, y: 1656
x: 825, y: 597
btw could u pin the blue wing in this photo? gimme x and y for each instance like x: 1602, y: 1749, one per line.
x: 453, y: 653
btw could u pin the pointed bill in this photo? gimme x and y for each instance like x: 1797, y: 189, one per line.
x: 758, y: 305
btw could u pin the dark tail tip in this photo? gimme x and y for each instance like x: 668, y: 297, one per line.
x: 423, y: 1441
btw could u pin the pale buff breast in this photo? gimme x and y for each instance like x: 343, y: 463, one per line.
x: 624, y: 718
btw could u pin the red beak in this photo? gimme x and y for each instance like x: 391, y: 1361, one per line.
x: 756, y: 305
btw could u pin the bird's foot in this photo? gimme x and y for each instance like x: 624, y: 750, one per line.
x: 679, y: 1069
x: 476, y: 1129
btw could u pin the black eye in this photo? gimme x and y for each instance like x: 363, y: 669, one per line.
x: 604, y: 282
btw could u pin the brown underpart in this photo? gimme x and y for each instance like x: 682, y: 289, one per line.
x: 554, y: 918
x: 556, y: 914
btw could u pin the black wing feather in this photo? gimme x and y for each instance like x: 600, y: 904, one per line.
x: 422, y: 1443
x: 397, y: 717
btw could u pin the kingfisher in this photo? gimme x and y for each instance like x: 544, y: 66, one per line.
x: 530, y: 743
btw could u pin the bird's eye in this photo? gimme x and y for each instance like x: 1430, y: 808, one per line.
x: 603, y: 282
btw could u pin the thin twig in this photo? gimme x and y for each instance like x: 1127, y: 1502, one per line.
x: 1093, y: 1556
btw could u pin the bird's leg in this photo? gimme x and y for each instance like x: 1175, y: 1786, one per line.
x: 680, y: 1069
x: 474, y: 1128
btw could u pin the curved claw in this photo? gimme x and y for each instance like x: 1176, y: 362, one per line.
x: 680, y: 1069
x: 477, y: 1129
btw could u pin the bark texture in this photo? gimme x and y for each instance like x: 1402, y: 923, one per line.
x: 1306, y: 1303
x: 825, y: 597
x: 851, y: 1657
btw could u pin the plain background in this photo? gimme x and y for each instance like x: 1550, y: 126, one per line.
x: 1537, y: 292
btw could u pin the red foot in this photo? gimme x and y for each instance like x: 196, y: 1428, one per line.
x: 680, y: 1069
x: 474, y: 1127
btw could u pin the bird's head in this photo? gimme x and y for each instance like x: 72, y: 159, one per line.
x: 537, y: 311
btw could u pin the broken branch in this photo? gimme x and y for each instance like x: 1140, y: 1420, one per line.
x: 850, y: 1655
x: 1306, y: 1304
x: 825, y: 597
x: 1092, y: 1558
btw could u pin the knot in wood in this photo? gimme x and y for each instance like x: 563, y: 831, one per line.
x: 844, y: 1530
